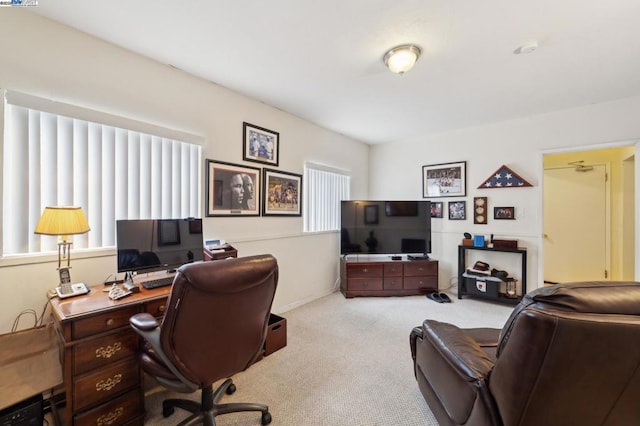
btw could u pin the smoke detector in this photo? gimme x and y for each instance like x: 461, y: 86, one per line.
x: 526, y: 48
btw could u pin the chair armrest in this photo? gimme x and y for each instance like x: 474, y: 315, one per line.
x: 144, y: 321
x: 148, y: 328
x: 459, y: 349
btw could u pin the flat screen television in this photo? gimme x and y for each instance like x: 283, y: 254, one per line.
x: 146, y: 245
x: 386, y: 227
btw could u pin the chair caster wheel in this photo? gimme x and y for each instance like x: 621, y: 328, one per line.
x: 231, y: 389
x: 167, y: 410
x: 266, y: 418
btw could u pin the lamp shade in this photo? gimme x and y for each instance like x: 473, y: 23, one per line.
x: 401, y: 59
x: 62, y: 221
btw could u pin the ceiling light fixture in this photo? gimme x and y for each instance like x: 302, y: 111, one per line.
x: 526, y: 48
x: 401, y: 59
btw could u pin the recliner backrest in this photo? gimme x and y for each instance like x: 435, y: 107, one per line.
x: 570, y: 354
x: 217, y: 315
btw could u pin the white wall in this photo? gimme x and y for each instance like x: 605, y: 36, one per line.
x: 45, y: 59
x: 396, y: 170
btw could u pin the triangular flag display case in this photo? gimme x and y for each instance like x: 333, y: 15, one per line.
x: 504, y: 177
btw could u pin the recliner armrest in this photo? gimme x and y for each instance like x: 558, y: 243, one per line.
x: 459, y: 349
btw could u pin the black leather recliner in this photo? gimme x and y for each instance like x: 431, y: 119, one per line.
x: 569, y: 354
x: 214, y: 326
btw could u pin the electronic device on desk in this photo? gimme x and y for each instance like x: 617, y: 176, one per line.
x: 158, y: 282
x: 70, y: 290
x: 386, y: 227
x: 67, y: 289
x: 149, y: 245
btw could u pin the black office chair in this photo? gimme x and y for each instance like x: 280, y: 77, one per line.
x: 215, y: 326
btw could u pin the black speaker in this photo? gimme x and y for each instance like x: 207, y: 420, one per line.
x: 26, y: 413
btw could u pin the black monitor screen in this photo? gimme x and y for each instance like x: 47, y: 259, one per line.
x: 385, y: 227
x: 150, y: 245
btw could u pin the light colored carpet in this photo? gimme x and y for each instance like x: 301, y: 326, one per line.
x: 347, y: 362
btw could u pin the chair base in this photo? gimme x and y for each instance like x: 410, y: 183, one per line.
x: 205, y: 413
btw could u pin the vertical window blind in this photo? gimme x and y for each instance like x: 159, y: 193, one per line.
x: 324, y: 191
x: 54, y: 156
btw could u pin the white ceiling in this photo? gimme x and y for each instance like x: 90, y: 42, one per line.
x: 322, y: 60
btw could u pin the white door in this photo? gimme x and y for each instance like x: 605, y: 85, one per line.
x: 576, y: 230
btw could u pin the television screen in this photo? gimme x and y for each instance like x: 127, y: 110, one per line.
x: 385, y: 227
x: 147, y: 245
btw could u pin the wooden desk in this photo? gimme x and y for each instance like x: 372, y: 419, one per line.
x: 101, y: 374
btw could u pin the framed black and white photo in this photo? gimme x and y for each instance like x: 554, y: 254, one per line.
x: 260, y: 145
x: 232, y: 189
x: 444, y: 180
x: 282, y: 194
x: 504, y: 213
x: 457, y: 210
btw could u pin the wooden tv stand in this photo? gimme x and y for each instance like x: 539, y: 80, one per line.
x: 378, y: 275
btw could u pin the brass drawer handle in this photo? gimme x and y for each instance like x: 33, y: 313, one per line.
x: 110, y: 322
x: 161, y: 308
x: 365, y: 270
x: 109, y: 418
x: 109, y: 351
x: 107, y: 385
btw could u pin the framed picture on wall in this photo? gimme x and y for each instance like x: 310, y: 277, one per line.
x: 457, y: 210
x: 232, y: 189
x: 444, y: 180
x: 282, y: 195
x: 260, y: 145
x: 504, y: 213
x: 436, y: 209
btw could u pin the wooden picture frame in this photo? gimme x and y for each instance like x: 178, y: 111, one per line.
x: 282, y: 195
x: 504, y: 213
x: 444, y: 180
x: 480, y: 210
x: 232, y: 189
x: 436, y: 209
x: 457, y: 210
x: 260, y: 145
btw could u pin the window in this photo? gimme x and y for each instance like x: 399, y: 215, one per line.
x: 325, y: 188
x: 114, y: 168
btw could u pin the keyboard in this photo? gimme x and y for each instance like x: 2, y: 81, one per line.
x: 158, y: 282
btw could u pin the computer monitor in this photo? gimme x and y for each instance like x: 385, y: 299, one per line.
x: 146, y: 245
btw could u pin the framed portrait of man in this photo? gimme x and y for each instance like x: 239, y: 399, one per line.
x: 232, y: 189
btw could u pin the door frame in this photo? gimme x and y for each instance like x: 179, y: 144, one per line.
x: 607, y: 212
x: 618, y: 144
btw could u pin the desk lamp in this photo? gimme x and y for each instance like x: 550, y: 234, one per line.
x: 63, y: 222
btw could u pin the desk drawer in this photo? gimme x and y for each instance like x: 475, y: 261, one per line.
x: 105, y: 383
x: 104, y: 351
x: 104, y: 322
x: 116, y: 412
x: 157, y: 307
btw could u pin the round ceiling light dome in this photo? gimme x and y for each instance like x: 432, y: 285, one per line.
x: 402, y: 58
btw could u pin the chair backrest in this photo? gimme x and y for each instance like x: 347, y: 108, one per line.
x: 217, y: 316
x: 570, y: 355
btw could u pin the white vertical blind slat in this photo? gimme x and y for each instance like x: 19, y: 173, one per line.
x: 112, y: 173
x: 325, y: 190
